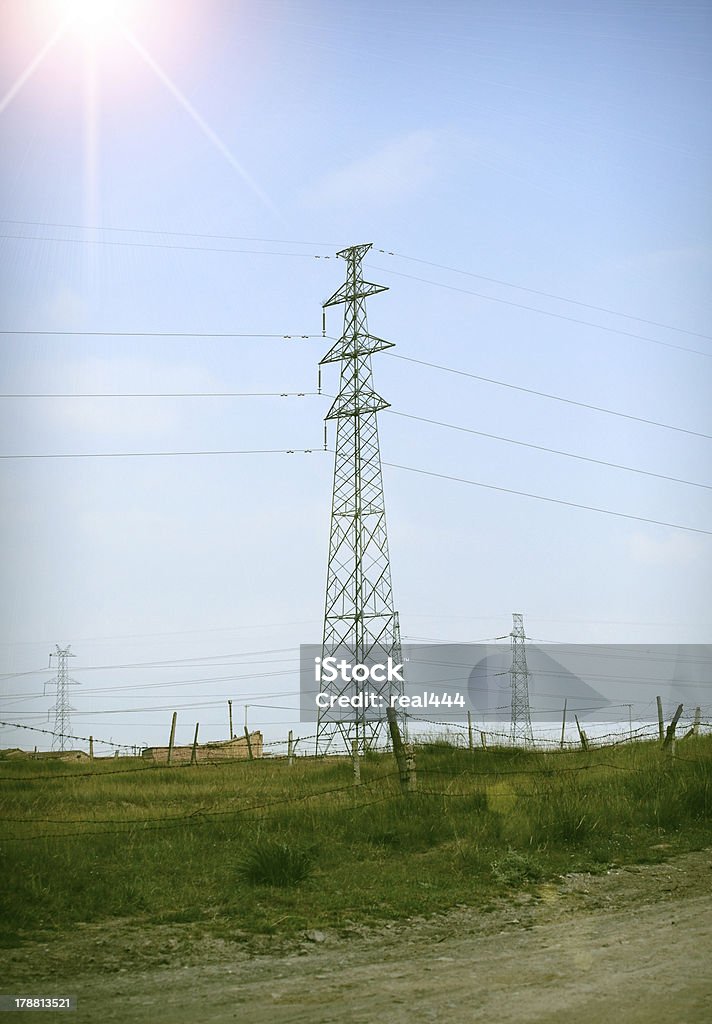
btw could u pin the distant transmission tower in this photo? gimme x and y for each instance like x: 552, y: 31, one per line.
x: 360, y: 622
x: 62, y: 727
x: 521, y: 715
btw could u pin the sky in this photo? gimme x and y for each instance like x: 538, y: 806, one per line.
x: 535, y: 183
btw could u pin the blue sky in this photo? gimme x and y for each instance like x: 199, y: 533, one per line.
x: 561, y: 148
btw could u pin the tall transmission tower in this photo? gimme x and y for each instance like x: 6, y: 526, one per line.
x: 521, y: 716
x: 360, y: 622
x: 62, y: 727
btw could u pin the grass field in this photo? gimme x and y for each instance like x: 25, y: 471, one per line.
x: 264, y: 847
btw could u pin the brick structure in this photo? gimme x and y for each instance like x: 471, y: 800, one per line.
x: 226, y: 750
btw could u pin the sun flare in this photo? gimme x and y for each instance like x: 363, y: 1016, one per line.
x: 94, y: 19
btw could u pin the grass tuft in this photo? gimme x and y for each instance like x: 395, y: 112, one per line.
x: 271, y: 861
x: 514, y: 868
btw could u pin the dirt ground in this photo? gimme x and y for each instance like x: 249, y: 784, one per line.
x: 633, y: 946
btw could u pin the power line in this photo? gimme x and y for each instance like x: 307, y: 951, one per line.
x: 164, y: 245
x: 546, y: 295
x: 167, y: 663
x: 542, y: 497
x: 392, y: 465
x: 544, y: 312
x: 552, y: 451
x: 177, y: 394
x: 411, y: 359
x: 394, y: 412
x: 145, y: 455
x: 178, y: 633
x: 544, y: 394
x: 153, y: 231
x: 158, y: 334
x: 385, y: 252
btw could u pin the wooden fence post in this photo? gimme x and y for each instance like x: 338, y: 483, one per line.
x: 409, y: 783
x: 669, y: 741
x: 356, y: 762
x: 172, y: 737
x: 563, y: 723
x: 582, y: 735
x: 470, y: 741
x: 229, y: 711
x: 249, y: 744
x: 483, y: 739
x: 661, y: 727
x: 398, y: 751
x: 91, y: 748
x: 290, y: 749
x: 194, y: 751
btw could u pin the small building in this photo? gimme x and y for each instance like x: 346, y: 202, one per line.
x: 45, y: 755
x: 221, y: 750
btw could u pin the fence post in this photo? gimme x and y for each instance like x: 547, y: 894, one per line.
x: 483, y: 739
x: 563, y: 723
x: 356, y: 762
x: 194, y: 751
x: 249, y: 744
x: 661, y: 727
x: 410, y: 782
x: 91, y: 748
x: 398, y: 751
x: 470, y: 741
x: 582, y: 735
x: 669, y: 741
x: 172, y: 737
x: 229, y: 710
x: 290, y: 749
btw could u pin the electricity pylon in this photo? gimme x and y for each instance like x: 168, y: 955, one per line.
x: 62, y: 727
x: 360, y: 622
x: 521, y: 716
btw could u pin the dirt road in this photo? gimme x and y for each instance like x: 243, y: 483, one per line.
x: 633, y: 946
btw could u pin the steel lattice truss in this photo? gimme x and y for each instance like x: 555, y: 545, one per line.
x: 521, y: 716
x: 62, y: 708
x: 360, y: 622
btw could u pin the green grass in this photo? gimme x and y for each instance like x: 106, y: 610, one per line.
x: 250, y: 847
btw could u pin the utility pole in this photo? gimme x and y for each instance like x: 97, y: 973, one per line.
x: 521, y: 716
x: 62, y: 727
x: 360, y: 621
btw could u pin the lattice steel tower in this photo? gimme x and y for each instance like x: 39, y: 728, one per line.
x: 62, y: 727
x: 521, y: 715
x: 360, y: 622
